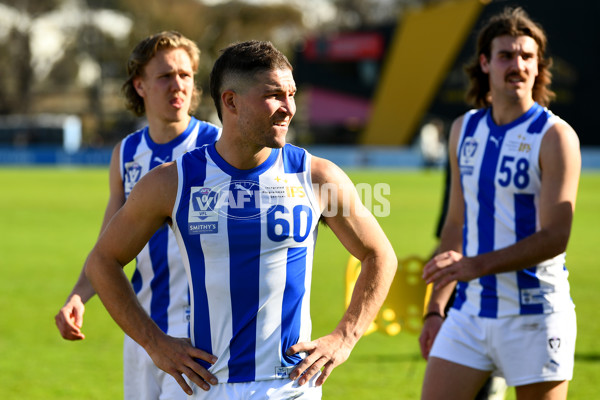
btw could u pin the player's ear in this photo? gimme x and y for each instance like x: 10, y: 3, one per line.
x: 138, y: 85
x: 484, y: 64
x: 229, y: 101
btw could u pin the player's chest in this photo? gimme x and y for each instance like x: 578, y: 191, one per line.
x: 502, y: 159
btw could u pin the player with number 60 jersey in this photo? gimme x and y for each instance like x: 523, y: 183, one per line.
x: 249, y: 237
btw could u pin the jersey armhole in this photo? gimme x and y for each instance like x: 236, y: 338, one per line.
x: 180, y: 175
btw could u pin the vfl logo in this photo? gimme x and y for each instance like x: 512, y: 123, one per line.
x: 133, y: 173
x: 469, y: 147
x: 203, y: 202
x: 467, y: 154
x: 202, y: 217
x: 554, y: 343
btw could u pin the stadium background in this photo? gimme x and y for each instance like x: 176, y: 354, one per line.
x: 70, y: 118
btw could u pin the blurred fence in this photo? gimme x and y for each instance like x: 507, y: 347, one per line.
x: 344, y: 156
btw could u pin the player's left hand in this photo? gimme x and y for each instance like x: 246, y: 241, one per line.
x: 70, y: 318
x: 431, y: 327
x: 324, y: 353
x: 448, y: 267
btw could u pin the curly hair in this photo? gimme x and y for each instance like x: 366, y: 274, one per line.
x: 513, y: 22
x: 141, y: 56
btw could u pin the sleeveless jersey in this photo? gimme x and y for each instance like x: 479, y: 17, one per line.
x: 159, y: 278
x: 247, y: 240
x: 501, y: 183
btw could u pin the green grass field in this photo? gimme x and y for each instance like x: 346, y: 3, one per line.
x: 50, y: 219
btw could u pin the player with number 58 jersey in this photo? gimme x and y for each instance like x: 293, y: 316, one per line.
x: 500, y: 178
x: 514, y: 172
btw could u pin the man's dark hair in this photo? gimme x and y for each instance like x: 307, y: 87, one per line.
x: 241, y: 61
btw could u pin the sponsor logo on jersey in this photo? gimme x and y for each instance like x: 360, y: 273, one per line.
x: 520, y: 144
x: 495, y: 140
x: 283, y: 372
x: 241, y: 199
x: 291, y: 191
x: 524, y: 147
x: 536, y: 295
x: 160, y: 160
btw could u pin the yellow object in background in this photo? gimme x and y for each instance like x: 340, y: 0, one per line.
x: 426, y: 43
x: 404, y: 306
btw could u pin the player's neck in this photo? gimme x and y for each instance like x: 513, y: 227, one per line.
x: 505, y: 112
x: 240, y: 155
x: 164, y: 131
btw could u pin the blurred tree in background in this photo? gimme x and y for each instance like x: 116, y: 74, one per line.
x: 68, y: 56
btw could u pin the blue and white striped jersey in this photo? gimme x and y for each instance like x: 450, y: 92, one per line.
x: 501, y: 183
x: 159, y: 278
x: 248, y: 239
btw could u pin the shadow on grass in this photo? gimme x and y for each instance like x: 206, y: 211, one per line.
x: 590, y: 357
x: 395, y: 358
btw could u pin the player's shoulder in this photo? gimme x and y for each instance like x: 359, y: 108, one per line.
x: 135, y: 135
x: 161, y: 177
x: 561, y: 135
x: 206, y: 124
x: 208, y: 128
x: 198, y: 152
x: 116, y: 150
x: 131, y: 140
x: 467, y: 121
x: 458, y: 123
x: 457, y: 126
x: 472, y: 116
x: 325, y: 171
x: 295, y: 159
x: 157, y: 188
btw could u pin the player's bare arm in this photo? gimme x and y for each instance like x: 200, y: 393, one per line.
x: 148, y: 207
x: 450, y: 246
x: 560, y: 161
x: 360, y: 233
x: 69, y: 319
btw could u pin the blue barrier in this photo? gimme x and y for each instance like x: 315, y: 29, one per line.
x: 54, y: 156
x: 344, y: 156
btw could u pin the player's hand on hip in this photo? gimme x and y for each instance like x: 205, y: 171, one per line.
x: 324, y: 353
x: 70, y: 319
x: 177, y: 357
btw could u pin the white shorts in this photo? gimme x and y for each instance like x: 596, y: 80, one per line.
x: 523, y: 349
x: 274, y: 389
x: 142, y: 380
